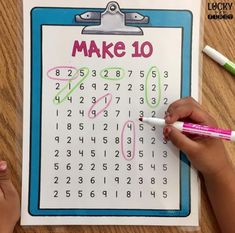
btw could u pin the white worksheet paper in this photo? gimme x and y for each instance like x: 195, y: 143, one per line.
x: 94, y: 153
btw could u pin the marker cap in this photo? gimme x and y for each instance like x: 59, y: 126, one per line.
x: 215, y: 55
x: 230, y: 66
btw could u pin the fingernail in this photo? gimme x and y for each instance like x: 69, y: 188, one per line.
x: 164, y: 130
x: 166, y: 114
x: 167, y: 130
x: 167, y: 118
x: 166, y: 139
x: 3, y: 166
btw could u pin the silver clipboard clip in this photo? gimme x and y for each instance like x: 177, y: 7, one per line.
x: 112, y: 21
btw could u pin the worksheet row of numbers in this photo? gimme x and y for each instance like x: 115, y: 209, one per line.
x: 90, y: 194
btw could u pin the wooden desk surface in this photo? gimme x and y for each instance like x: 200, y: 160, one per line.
x: 218, y: 97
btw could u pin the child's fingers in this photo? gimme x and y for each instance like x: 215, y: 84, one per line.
x: 185, y: 100
x: 191, y: 111
x: 194, y: 113
x: 183, y: 108
x: 180, y: 140
x: 6, y: 185
x: 181, y: 102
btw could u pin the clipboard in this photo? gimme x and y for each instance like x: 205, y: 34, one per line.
x: 97, y: 21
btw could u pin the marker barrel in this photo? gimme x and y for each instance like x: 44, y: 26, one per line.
x: 191, y: 128
x: 220, y: 59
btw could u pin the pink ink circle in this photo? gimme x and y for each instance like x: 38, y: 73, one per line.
x: 133, y: 138
x: 110, y: 96
x: 49, y: 75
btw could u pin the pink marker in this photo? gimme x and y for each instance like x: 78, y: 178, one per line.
x: 193, y: 128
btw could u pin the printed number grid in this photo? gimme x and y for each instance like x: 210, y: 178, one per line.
x: 95, y: 153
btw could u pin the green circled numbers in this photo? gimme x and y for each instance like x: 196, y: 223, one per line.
x: 63, y: 94
x: 153, y: 85
x: 112, y: 73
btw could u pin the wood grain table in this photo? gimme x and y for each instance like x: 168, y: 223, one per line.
x: 218, y: 97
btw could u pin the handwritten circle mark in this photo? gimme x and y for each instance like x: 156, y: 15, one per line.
x: 153, y: 73
x: 109, y: 95
x: 65, y: 88
x: 126, y: 157
x: 70, y: 69
x: 119, y: 73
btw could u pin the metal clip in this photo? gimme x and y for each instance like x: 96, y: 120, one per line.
x: 112, y: 21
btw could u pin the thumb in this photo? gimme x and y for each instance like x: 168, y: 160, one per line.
x: 5, y: 182
x: 180, y: 140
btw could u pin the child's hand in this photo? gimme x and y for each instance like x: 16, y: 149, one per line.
x: 9, y: 201
x: 208, y: 155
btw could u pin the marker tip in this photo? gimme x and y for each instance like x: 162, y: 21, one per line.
x: 141, y: 119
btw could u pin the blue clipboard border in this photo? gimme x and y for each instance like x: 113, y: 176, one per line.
x: 66, y: 16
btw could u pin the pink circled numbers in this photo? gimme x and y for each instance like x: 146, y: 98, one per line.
x: 63, y: 73
x: 128, y: 140
x: 101, y: 104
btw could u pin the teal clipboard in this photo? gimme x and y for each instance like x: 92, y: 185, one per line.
x: 72, y: 17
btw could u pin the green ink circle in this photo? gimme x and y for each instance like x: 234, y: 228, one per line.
x: 122, y: 73
x: 147, y: 88
x: 73, y: 89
